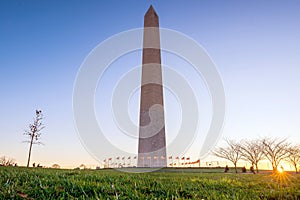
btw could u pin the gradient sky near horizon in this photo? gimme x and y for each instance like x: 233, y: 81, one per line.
x: 254, y: 44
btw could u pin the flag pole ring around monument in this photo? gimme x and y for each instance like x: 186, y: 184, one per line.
x: 120, y: 44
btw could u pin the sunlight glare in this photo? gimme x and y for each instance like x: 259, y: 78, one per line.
x: 280, y: 169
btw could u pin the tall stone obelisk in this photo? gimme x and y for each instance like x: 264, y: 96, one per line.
x: 152, y: 141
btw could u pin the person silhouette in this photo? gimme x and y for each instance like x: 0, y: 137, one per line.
x: 226, y: 169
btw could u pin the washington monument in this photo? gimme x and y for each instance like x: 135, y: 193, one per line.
x: 152, y: 140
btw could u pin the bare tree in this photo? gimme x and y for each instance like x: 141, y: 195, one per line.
x: 275, y: 150
x: 82, y: 166
x: 294, y: 156
x: 6, y: 161
x: 230, y: 152
x: 252, y: 152
x: 34, y: 132
x: 56, y: 166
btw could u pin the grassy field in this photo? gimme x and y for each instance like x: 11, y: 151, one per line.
x: 37, y: 183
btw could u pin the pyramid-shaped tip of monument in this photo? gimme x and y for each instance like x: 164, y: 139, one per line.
x: 151, y: 11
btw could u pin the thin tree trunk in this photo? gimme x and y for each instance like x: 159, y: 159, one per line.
x: 274, y: 167
x: 295, y: 165
x: 256, y: 165
x: 29, y: 155
x: 235, y: 168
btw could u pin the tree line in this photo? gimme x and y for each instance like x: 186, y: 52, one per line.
x: 274, y: 150
x: 6, y: 161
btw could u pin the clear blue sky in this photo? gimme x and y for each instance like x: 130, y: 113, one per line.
x: 254, y: 44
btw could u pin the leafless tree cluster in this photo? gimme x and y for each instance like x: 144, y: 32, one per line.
x: 6, y: 161
x: 274, y: 150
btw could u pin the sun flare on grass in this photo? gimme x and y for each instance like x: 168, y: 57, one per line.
x: 282, y: 179
x: 280, y: 170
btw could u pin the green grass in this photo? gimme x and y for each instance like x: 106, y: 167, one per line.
x: 23, y: 183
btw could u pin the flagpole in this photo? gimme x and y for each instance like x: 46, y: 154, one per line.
x: 172, y: 161
x: 129, y: 161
